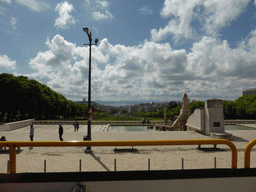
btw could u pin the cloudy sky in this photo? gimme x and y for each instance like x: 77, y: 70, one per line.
x: 147, y: 49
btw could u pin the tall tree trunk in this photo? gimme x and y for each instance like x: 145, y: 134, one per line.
x: 8, y: 117
x: 12, y: 116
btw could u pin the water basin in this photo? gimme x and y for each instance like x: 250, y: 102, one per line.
x: 238, y: 127
x: 129, y: 128
x: 144, y: 128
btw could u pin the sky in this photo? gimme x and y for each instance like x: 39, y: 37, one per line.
x: 147, y: 49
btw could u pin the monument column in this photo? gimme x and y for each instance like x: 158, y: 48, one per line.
x: 165, y: 116
x: 185, y: 113
x: 181, y: 121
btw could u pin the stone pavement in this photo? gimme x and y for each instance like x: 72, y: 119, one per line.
x: 66, y: 159
x: 249, y: 125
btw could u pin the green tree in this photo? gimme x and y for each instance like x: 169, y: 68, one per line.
x: 174, y: 111
x: 229, y: 109
x: 33, y: 100
x: 245, y: 107
x: 172, y: 104
x: 195, y: 105
x: 4, y: 95
x: 123, y: 110
x: 251, y: 110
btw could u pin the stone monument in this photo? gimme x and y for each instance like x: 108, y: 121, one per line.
x: 184, y: 114
x: 209, y: 120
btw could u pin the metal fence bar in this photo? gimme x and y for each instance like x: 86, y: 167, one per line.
x: 45, y: 166
x: 12, y: 156
x: 149, y: 164
x: 247, y: 153
x: 8, y: 165
x: 80, y: 165
x: 114, y: 164
x: 182, y: 163
x: 215, y: 165
x: 13, y: 144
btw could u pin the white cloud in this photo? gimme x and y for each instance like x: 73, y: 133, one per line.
x: 100, y: 16
x: 148, y: 71
x: 34, y: 5
x: 210, y: 57
x: 145, y: 11
x: 102, y: 4
x: 221, y: 13
x: 6, y: 1
x: 99, y: 10
x: 62, y: 66
x: 2, y: 6
x: 13, y: 22
x: 6, y: 62
x: 65, y: 19
x: 211, y: 15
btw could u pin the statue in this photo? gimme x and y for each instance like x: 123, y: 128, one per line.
x: 185, y: 101
x: 184, y: 114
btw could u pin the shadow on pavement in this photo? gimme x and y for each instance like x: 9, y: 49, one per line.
x: 99, y: 161
x: 7, y: 151
x: 210, y: 149
x: 126, y: 150
x: 238, y: 139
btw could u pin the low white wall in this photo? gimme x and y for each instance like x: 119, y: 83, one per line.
x: 214, y: 118
x: 208, y: 119
x: 84, y: 122
x: 16, y: 125
x: 196, y: 120
x: 216, y: 115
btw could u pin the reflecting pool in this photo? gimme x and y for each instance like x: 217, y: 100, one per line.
x: 144, y: 128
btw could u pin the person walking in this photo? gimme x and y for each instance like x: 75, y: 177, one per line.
x: 75, y: 126
x: 3, y: 138
x: 31, y: 132
x: 60, y: 132
x: 31, y: 135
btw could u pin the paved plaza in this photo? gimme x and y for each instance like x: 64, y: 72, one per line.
x: 66, y: 159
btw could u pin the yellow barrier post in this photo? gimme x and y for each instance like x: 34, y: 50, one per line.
x: 14, y: 144
x: 12, y: 155
x: 247, y: 153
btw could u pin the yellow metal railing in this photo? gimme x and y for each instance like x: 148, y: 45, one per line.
x: 247, y: 153
x: 13, y: 144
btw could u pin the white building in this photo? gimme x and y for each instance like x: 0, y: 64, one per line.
x: 208, y: 119
x: 249, y: 92
x: 134, y: 109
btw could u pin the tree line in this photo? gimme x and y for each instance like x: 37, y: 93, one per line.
x: 172, y: 110
x: 242, y: 108
x: 25, y: 98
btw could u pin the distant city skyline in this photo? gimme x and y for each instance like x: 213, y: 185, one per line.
x: 147, y: 50
x: 125, y: 103
x: 129, y: 106
x: 122, y: 103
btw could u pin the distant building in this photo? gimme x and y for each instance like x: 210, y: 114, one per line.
x: 84, y: 102
x: 149, y: 108
x: 134, y: 109
x: 249, y: 92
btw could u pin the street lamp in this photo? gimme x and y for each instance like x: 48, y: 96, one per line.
x: 86, y: 30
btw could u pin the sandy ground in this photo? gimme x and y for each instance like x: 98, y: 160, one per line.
x: 249, y: 125
x: 66, y: 159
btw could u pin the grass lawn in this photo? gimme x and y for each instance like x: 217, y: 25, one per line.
x: 111, y: 119
x: 126, y: 119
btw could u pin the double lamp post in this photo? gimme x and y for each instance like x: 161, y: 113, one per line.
x: 86, y: 30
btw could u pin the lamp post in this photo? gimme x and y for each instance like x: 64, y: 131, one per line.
x: 86, y: 30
